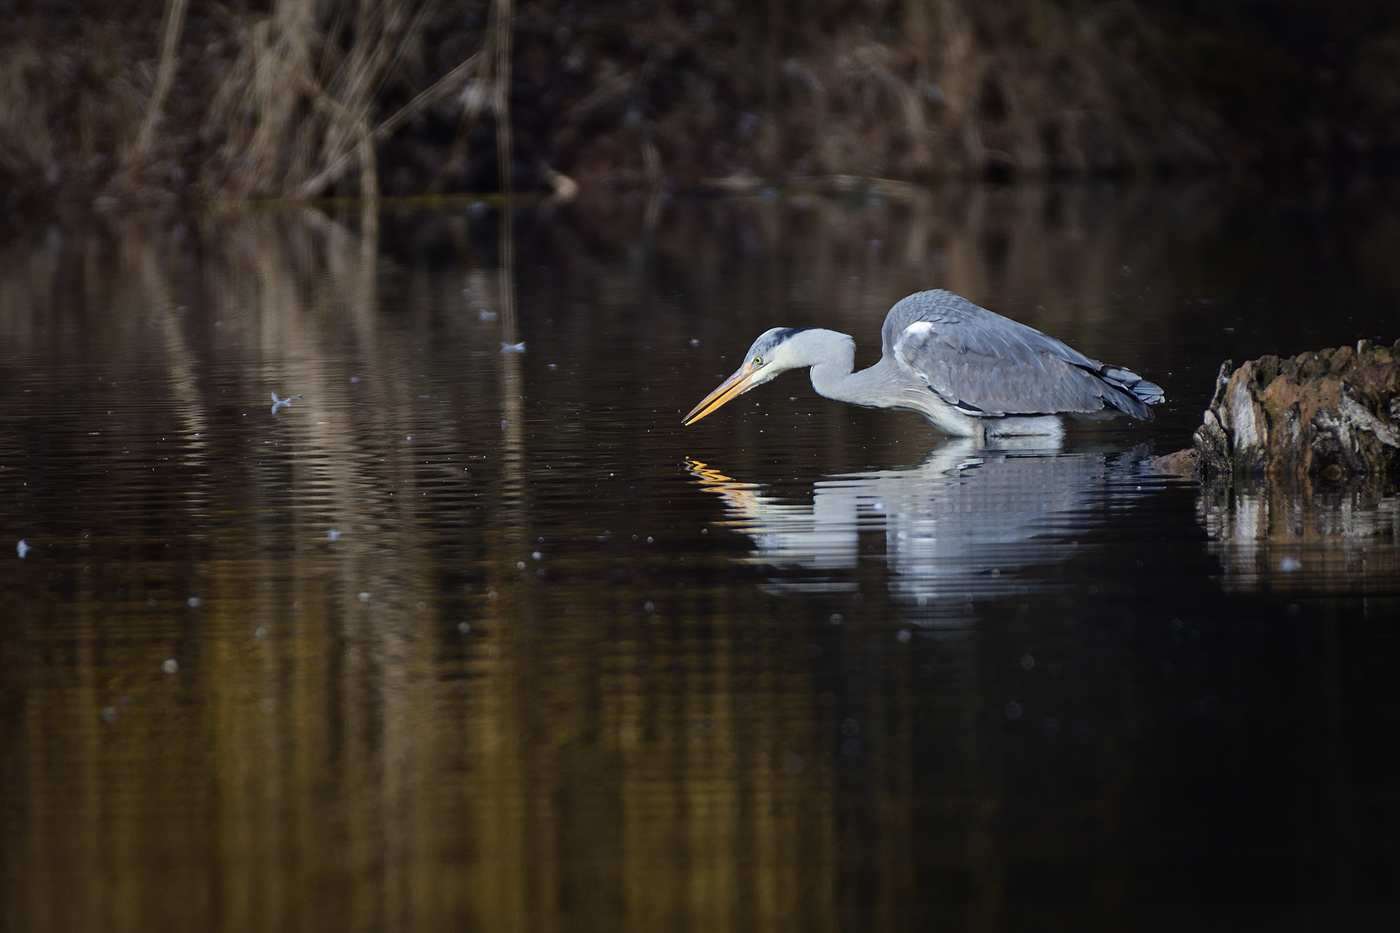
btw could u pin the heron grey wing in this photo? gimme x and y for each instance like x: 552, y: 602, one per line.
x: 994, y: 366
x: 941, y: 308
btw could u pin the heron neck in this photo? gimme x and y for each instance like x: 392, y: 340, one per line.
x: 834, y: 379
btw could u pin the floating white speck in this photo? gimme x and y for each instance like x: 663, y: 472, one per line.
x: 282, y: 402
x: 1290, y: 565
x: 333, y: 534
x: 22, y: 548
x: 170, y: 665
x: 194, y: 602
x: 513, y: 347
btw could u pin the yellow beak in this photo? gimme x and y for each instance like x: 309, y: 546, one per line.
x: 735, y: 385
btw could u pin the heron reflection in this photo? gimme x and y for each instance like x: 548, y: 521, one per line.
x: 964, y: 525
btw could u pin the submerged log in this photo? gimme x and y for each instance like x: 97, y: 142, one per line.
x: 1333, y: 414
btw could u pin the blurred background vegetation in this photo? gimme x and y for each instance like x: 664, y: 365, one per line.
x: 141, y: 101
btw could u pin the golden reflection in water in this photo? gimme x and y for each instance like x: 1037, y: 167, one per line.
x: 530, y: 783
x: 236, y: 719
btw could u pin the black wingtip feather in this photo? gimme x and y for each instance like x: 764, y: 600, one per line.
x: 1134, y: 392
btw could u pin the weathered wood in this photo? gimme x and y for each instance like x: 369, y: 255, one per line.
x: 1332, y: 414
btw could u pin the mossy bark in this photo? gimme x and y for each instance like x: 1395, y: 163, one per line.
x: 1332, y: 414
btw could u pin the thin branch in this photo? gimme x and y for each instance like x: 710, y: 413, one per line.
x: 165, y: 75
x: 383, y: 131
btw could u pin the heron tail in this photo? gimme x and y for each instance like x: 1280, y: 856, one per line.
x: 1137, y: 393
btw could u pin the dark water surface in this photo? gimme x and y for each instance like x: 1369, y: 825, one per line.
x: 473, y: 639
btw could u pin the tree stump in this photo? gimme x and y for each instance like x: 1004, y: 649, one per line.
x: 1333, y: 414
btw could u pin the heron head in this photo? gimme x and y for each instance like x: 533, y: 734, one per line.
x: 772, y: 353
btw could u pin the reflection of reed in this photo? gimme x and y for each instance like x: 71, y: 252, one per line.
x: 320, y: 732
x: 602, y: 786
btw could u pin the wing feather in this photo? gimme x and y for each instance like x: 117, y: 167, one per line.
x: 977, y: 359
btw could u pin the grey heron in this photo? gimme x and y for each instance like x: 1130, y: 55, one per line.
x: 969, y: 371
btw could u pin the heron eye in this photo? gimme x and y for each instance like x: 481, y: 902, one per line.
x: 758, y: 361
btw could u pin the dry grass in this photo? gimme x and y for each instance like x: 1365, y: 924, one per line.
x: 73, y: 113
x: 999, y: 87
x: 302, y: 95
x: 300, y: 108
x: 28, y: 95
x: 303, y: 98
x: 291, y: 102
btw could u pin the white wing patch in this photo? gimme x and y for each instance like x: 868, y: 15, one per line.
x: 909, y: 343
